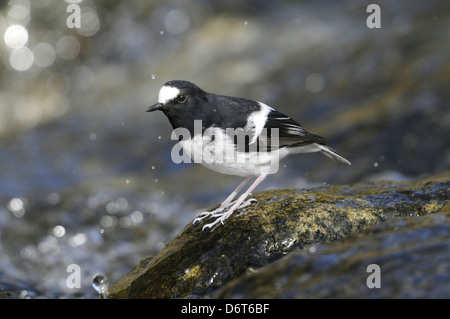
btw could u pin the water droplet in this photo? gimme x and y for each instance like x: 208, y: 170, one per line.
x: 100, y: 284
x: 177, y: 21
x: 124, y: 222
x: 77, y: 240
x: 67, y: 47
x: 59, y: 231
x: 127, y: 181
x: 153, y: 167
x: 19, y: 9
x: 16, y: 36
x: 44, y: 55
x: 53, y: 198
x: 314, y: 82
x: 112, y: 208
x: 108, y: 221
x: 122, y: 203
x: 246, y: 23
x: 161, y: 32
x: 312, y: 249
x: 136, y: 217
x: 159, y: 137
x: 48, y: 245
x: 17, y: 207
x: 375, y: 164
x: 21, y: 59
x: 153, y: 77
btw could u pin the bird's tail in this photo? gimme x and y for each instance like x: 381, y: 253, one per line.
x: 331, y: 153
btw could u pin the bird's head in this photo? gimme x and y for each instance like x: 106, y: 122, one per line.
x: 182, y: 102
x: 177, y: 95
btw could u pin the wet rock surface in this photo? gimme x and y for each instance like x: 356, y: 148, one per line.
x: 410, y: 256
x: 197, y: 263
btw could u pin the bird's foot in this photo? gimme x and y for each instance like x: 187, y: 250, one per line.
x: 214, y: 213
x: 221, y: 217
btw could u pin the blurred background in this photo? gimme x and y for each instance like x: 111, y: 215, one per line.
x: 85, y: 174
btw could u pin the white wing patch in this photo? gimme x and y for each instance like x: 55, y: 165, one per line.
x: 257, y: 120
x: 167, y: 93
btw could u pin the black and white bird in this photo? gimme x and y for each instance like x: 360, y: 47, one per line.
x: 235, y: 136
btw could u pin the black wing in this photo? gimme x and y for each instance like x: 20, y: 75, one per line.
x: 290, y: 133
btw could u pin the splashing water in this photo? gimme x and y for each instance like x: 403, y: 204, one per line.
x: 100, y: 284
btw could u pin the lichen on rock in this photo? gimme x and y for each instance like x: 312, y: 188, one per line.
x: 198, y: 262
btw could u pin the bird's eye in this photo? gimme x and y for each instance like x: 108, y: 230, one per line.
x: 181, y: 98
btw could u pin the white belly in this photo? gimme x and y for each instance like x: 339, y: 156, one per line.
x: 219, y: 154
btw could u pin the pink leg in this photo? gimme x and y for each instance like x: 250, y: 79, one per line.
x: 236, y: 204
x: 226, y: 203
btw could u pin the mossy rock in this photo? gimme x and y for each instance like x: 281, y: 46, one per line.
x: 404, y: 257
x: 197, y: 262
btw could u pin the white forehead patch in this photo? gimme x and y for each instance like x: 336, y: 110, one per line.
x: 167, y: 93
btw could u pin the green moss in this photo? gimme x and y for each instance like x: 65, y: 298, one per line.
x: 280, y: 222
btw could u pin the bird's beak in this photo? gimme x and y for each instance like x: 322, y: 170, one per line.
x: 155, y: 107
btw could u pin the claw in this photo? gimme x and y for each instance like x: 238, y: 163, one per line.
x: 213, y: 225
x: 248, y: 202
x: 214, y: 213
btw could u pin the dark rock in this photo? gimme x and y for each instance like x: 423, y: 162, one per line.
x: 4, y: 294
x: 197, y: 262
x: 412, y: 255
